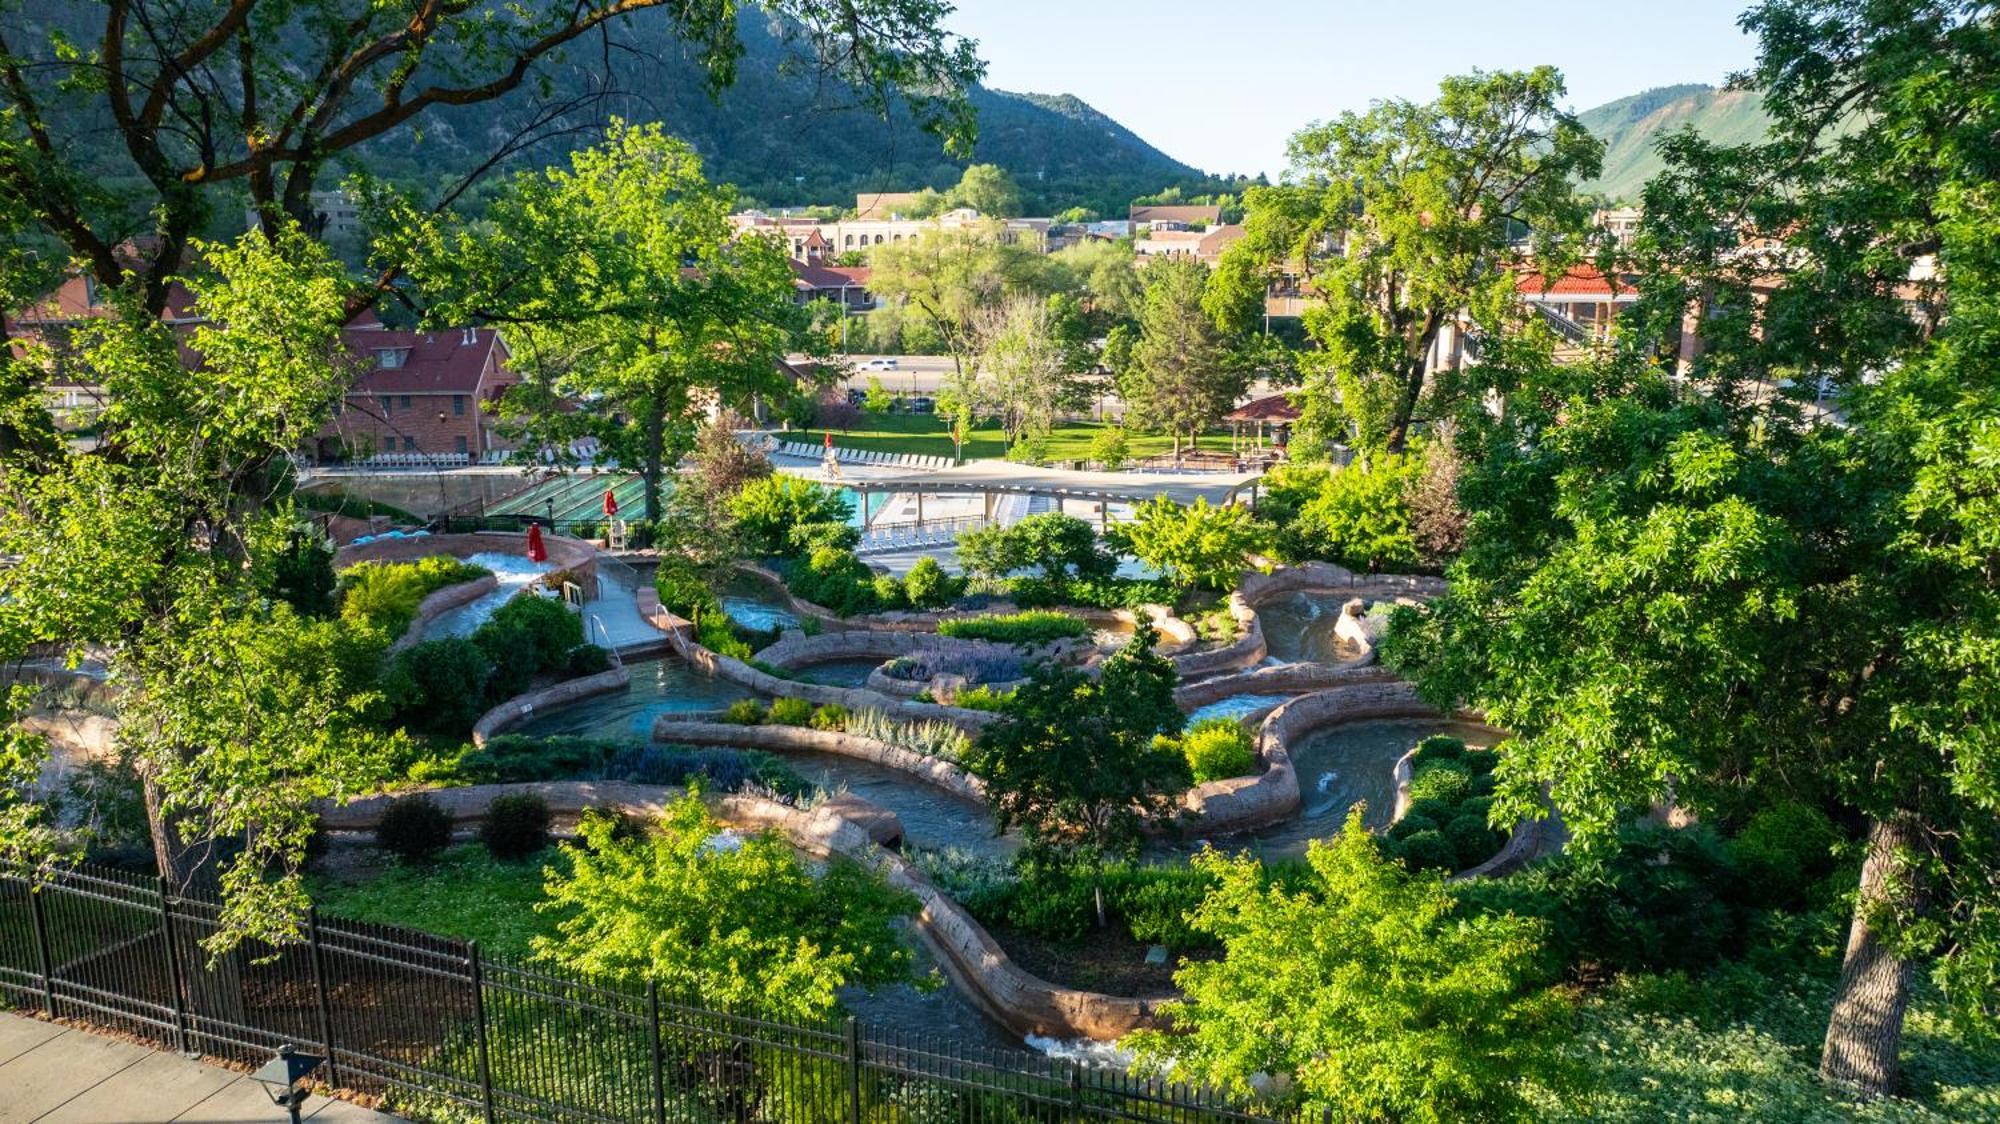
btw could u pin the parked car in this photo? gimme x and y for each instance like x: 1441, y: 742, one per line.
x: 921, y: 405
x: 879, y: 365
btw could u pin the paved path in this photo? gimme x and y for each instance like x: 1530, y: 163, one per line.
x: 57, y: 1074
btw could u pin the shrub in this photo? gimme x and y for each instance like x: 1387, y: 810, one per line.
x: 414, y: 829
x: 1155, y: 902
x: 1110, y: 449
x: 1472, y: 839
x: 806, y: 538
x: 1427, y: 850
x: 1035, y: 626
x: 516, y: 826
x: 835, y: 579
x: 1063, y: 547
x: 1411, y: 823
x: 1437, y: 811
x: 1359, y: 519
x: 984, y: 698
x: 831, y: 716
x: 1217, y: 748
x: 684, y: 594
x: 1439, y: 747
x: 745, y: 712
x: 544, y: 624
x: 586, y: 659
x: 889, y: 592
x: 439, y: 686
x: 1198, y: 545
x: 928, y: 586
x: 1783, y: 850
x: 767, y: 511
x: 1448, y: 783
x: 511, y: 661
x: 791, y: 712
x: 385, y: 595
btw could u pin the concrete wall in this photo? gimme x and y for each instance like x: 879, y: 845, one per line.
x: 1283, y: 679
x: 931, y: 770
x: 440, y: 601
x: 1248, y: 650
x: 520, y: 708
x: 565, y: 553
x: 1257, y: 587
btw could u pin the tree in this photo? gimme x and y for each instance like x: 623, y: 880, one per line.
x: 1104, y: 274
x: 946, y: 277
x: 1694, y: 590
x: 306, y: 87
x: 743, y: 925
x: 1360, y: 516
x: 723, y: 462
x: 1195, y: 545
x: 1022, y: 368
x: 625, y: 292
x: 1364, y: 986
x: 988, y: 189
x: 1072, y: 760
x: 1421, y: 206
x: 769, y: 509
x: 1064, y: 548
x: 1183, y: 376
x: 878, y: 400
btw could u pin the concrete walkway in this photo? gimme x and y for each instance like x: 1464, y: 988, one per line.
x: 57, y: 1074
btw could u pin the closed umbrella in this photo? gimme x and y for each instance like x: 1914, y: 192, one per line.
x: 610, y: 503
x: 536, y: 551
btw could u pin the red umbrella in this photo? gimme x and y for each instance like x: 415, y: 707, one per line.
x: 536, y: 551
x: 610, y: 503
x: 829, y: 440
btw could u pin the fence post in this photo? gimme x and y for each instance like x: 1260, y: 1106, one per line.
x: 853, y: 1070
x: 322, y: 992
x: 178, y: 980
x: 659, y: 1053
x: 42, y: 954
x: 1076, y: 1088
x: 479, y: 1023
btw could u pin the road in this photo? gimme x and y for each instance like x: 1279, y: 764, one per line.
x: 928, y: 374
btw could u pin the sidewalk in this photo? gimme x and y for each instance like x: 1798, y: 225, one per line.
x: 54, y: 1073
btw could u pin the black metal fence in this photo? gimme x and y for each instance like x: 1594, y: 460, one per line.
x: 443, y: 1031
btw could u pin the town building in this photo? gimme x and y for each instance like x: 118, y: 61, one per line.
x: 419, y: 394
x: 1204, y: 246
x: 803, y: 235
x: 1181, y: 215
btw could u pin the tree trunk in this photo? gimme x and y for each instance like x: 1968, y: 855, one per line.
x: 1866, y: 1026
x: 651, y: 454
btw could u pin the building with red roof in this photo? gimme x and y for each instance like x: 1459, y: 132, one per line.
x: 429, y: 393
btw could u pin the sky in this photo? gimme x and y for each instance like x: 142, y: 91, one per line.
x: 1221, y: 86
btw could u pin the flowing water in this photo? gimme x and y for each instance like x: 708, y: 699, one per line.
x: 1236, y: 706
x: 660, y: 686
x: 839, y: 673
x: 755, y: 606
x: 932, y: 818
x: 512, y: 572
x: 1298, y: 628
x: 1354, y: 761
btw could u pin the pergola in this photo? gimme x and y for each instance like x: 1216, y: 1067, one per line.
x: 1274, y: 411
x: 990, y: 479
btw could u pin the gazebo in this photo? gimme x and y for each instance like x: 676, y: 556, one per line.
x: 1273, y: 414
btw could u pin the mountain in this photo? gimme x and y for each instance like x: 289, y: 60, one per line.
x: 1630, y: 127
x: 780, y: 134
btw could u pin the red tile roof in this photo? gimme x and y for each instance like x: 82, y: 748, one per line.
x: 830, y: 276
x: 1277, y: 407
x: 1579, y: 281
x: 1185, y: 212
x: 442, y: 362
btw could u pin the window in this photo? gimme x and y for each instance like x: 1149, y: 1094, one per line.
x: 458, y: 407
x: 847, y: 239
x: 409, y: 444
x: 458, y: 444
x: 387, y: 357
x: 383, y: 403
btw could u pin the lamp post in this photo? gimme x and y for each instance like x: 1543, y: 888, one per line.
x: 284, y: 1078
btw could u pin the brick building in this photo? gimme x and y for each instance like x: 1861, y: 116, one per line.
x: 429, y: 393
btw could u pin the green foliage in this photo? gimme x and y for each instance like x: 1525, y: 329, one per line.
x: 878, y: 399
x: 767, y: 510
x: 746, y: 712
x: 1194, y: 546
x: 1073, y: 761
x: 830, y: 716
x: 520, y: 758
x: 790, y: 712
x: 1360, y: 518
x: 1412, y: 1014
x: 1783, y: 850
x: 543, y: 625
x: 747, y: 927
x: 464, y: 892
x: 1030, y: 627
x: 1062, y: 546
x: 516, y: 826
x: 1111, y: 450
x: 834, y: 579
x: 384, y: 595
x: 302, y: 574
x: 982, y: 697
x: 1441, y: 781
x: 1428, y: 849
x: 929, y: 587
x: 1218, y: 748
x: 439, y: 686
x: 1183, y: 373
x: 414, y: 829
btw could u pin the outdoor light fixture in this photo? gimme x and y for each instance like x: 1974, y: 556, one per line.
x: 284, y: 1078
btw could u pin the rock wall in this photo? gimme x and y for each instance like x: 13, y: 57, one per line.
x: 520, y: 708
x: 1257, y: 587
x: 1024, y: 1003
x: 440, y: 601
x: 565, y: 553
x: 1283, y: 679
x: 931, y: 770
x: 1248, y: 650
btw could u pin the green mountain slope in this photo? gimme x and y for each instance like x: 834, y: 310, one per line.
x: 780, y: 134
x: 1630, y: 127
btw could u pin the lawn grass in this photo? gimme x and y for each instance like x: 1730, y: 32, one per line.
x: 928, y: 435
x: 466, y: 893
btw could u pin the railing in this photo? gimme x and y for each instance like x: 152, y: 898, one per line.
x: 438, y: 1027
x: 884, y: 537
x: 1564, y: 326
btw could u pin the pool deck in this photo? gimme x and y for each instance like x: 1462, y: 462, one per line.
x: 50, y: 1072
